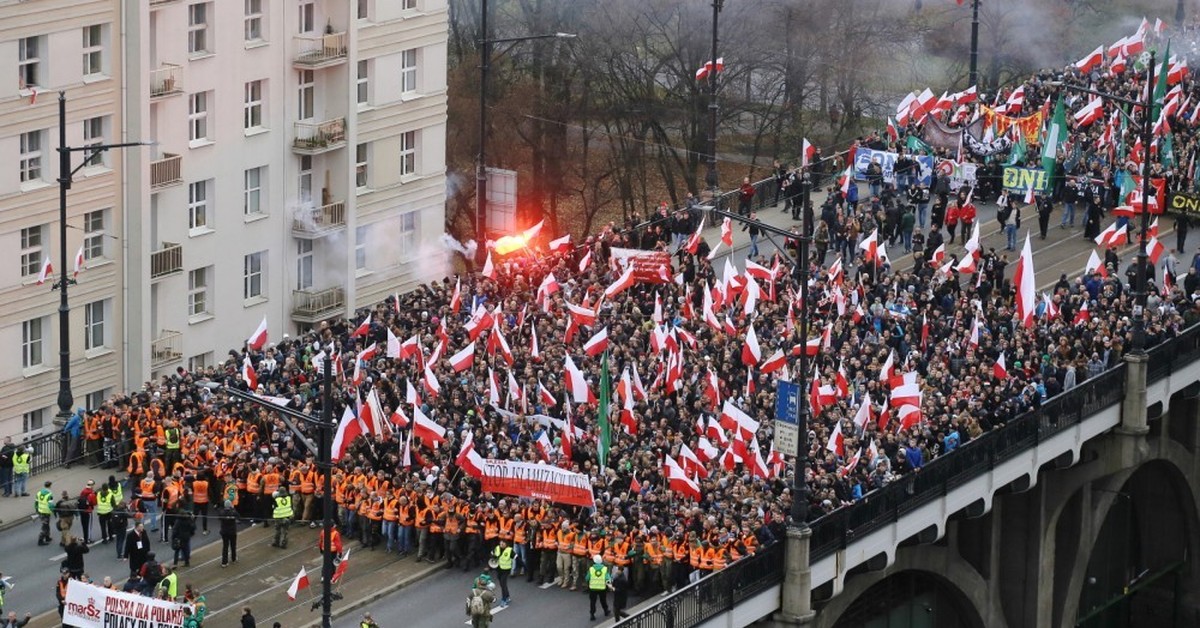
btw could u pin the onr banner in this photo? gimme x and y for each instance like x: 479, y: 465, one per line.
x: 1018, y: 179
x: 1185, y: 204
x: 539, y: 481
x: 90, y: 606
x: 647, y: 265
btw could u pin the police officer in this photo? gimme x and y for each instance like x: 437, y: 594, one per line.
x: 45, y: 508
x: 598, y: 580
x: 282, y: 517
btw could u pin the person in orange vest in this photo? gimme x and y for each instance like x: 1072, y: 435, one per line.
x: 200, y: 500
x: 547, y: 551
x: 405, y: 526
x: 566, y: 555
x: 335, y: 540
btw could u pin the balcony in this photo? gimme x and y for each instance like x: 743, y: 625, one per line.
x: 166, y: 81
x: 166, y: 171
x: 319, y: 221
x: 314, y: 306
x: 154, y: 4
x: 166, y: 261
x: 165, y: 349
x: 320, y: 51
x: 314, y: 138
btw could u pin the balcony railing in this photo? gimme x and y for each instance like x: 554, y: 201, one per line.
x: 319, y: 221
x: 167, y: 260
x: 320, y: 51
x: 166, y: 81
x: 312, y: 306
x: 166, y: 171
x: 313, y: 138
x: 167, y: 348
x: 158, y: 3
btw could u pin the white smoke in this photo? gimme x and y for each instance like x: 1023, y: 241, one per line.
x: 467, y: 250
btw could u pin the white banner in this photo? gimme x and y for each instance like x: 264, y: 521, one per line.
x: 89, y: 606
x: 539, y: 481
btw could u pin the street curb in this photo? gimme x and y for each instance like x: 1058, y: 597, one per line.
x: 8, y: 525
x: 381, y: 593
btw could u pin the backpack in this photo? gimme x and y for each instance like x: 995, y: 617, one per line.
x: 477, y: 606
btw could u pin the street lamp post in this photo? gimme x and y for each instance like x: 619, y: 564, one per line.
x: 710, y: 179
x: 485, y: 65
x: 973, y: 78
x: 65, y: 173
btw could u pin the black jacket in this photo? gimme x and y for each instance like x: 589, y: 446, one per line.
x: 229, y: 519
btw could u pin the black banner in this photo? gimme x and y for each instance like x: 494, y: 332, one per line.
x: 1184, y: 204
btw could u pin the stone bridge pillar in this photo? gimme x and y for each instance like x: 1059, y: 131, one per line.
x: 1133, y: 408
x: 795, y: 608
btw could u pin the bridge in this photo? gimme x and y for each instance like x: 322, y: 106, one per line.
x: 1082, y: 512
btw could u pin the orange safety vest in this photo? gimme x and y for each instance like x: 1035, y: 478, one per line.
x: 654, y: 553
x: 566, y: 541
x: 718, y: 560
x: 520, y: 530
x: 405, y: 514
x: 694, y: 556
x: 390, y: 510
x: 506, y: 529
x: 583, y: 545
x: 439, y: 520
x: 452, y: 525
x: 254, y: 483
x: 270, y: 482
x: 137, y: 462
x: 707, y: 557
x: 308, y: 483
x: 200, y: 491
x: 375, y: 510
x: 549, y: 540
x: 621, y: 554
x: 147, y: 488
x: 491, y: 528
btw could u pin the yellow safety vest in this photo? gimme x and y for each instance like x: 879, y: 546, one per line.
x: 45, y: 499
x: 21, y: 463
x: 104, y: 503
x: 283, y: 507
x: 172, y: 438
x: 504, y: 558
x: 598, y: 578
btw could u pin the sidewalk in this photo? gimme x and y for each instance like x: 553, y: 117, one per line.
x: 15, y: 511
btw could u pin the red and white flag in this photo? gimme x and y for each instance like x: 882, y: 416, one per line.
x: 678, y: 481
x: 1094, y: 264
x: 349, y: 428
x: 456, y: 298
x: 893, y: 134
x: 597, y: 343
x: 298, y: 584
x: 1025, y: 284
x: 248, y: 374
x: 363, y: 328
x: 837, y: 441
x: 1092, y: 61
x: 575, y: 382
x: 344, y: 564
x: 1082, y: 316
x: 1154, y: 249
x: 585, y: 261
x: 623, y: 283
x: 1092, y: 112
x: 489, y: 270
x: 807, y: 152
x: 547, y: 398
x: 560, y: 245
x: 543, y: 444
x: 78, y: 261
x: 733, y: 418
x: 751, y: 353
x: 463, y: 360
x: 1000, y: 369
x: 870, y: 247
x: 468, y: 459
x: 259, y: 338
x: 427, y: 430
x: 693, y: 243
x: 864, y: 415
x: 775, y: 362
x: 727, y: 232
x: 46, y: 272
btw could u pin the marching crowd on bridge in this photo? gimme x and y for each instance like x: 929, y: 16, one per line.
x: 908, y: 363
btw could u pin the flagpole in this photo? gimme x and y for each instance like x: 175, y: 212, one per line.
x: 325, y: 460
x: 710, y: 179
x: 973, y: 78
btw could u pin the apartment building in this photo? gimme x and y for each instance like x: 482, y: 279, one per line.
x: 297, y: 172
x: 47, y: 46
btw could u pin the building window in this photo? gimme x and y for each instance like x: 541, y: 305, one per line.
x: 408, y: 233
x: 307, y: 15
x: 408, y: 5
x: 198, y: 292
x: 253, y: 275
x: 304, y: 264
x: 32, y: 241
x: 408, y: 153
x: 32, y: 343
x: 198, y: 117
x: 29, y: 61
x: 253, y: 105
x: 201, y: 361
x: 360, y: 248
x: 94, y: 331
x: 362, y: 157
x: 305, y: 95
x: 31, y: 156
x: 364, y: 10
x: 364, y: 82
x: 93, y: 135
x: 254, y: 20
x: 252, y: 199
x: 95, y: 228
x: 93, y: 50
x: 198, y: 28
x: 304, y: 182
x: 198, y: 205
x: 32, y: 421
x: 94, y: 400
x: 408, y: 71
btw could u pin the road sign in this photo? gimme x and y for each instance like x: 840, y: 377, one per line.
x: 787, y: 417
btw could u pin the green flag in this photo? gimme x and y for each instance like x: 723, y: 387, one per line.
x: 1160, y: 86
x: 605, y: 395
x: 1056, y: 134
x: 1168, y: 152
x: 1016, y: 154
x: 914, y: 144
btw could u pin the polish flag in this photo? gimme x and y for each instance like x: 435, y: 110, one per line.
x: 399, y: 419
x: 727, y: 232
x: 885, y: 373
x: 431, y: 383
x: 999, y: 369
x: 1082, y: 316
x: 514, y: 389
x: 893, y: 134
x: 544, y: 446
x: 733, y: 418
x: 597, y: 344
x: 714, y: 431
x: 637, y: 384
x: 1093, y: 60
x: 1090, y: 113
x: 298, y: 584
x: 973, y: 338
x: 910, y: 416
x: 693, y: 243
x: 456, y: 298
x: 349, y: 428
x: 581, y: 315
x: 939, y: 255
x: 427, y: 430
x: 78, y: 261
x: 863, y: 416
x: 870, y: 247
x: 758, y: 466
x: 586, y: 261
x: 493, y: 388
x: 410, y: 347
x: 46, y: 272
x: 561, y: 245
x: 393, y: 344
x: 575, y: 381
x: 678, y: 481
x: 1026, y: 287
x: 1094, y: 264
x: 363, y: 328
x: 1029, y: 196
x: 712, y: 387
x: 468, y: 459
x: 568, y: 435
x: 1117, y: 66
x: 410, y: 394
x: 807, y: 152
x: 706, y: 451
x: 534, y: 351
x: 820, y: 395
x: 547, y: 398
x: 622, y: 284
x: 730, y: 458
x: 1154, y: 249
x: 248, y: 374
x: 837, y: 441
x: 851, y: 464
x: 489, y: 270
x: 256, y: 341
x: 1016, y: 100
x: 463, y: 360
x: 847, y: 179
x: 775, y: 362
x: 751, y: 353
x: 924, y: 331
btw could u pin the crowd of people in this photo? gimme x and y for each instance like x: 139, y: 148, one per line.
x: 907, y: 362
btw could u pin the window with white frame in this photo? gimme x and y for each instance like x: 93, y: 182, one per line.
x: 408, y: 5
x: 93, y: 50
x: 252, y: 199
x: 304, y: 264
x: 360, y: 248
x: 363, y: 83
x: 363, y: 11
x: 96, y: 399
x: 304, y: 182
x: 95, y: 234
x: 94, y: 132
x: 32, y: 241
x: 254, y: 20
x: 408, y: 71
x: 95, y: 331
x: 198, y: 291
x: 362, y: 165
x: 253, y: 105
x: 408, y: 153
x: 306, y: 92
x: 408, y: 233
x: 30, y: 158
x: 200, y: 361
x: 307, y: 16
x: 33, y: 420
x: 198, y: 217
x: 198, y: 117
x: 29, y: 61
x: 33, y: 348
x: 198, y: 33
x: 254, y: 275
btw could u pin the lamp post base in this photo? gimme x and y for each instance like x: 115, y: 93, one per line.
x: 795, y: 607
x: 1133, y: 407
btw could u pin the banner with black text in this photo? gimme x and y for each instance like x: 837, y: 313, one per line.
x: 538, y: 481
x: 90, y: 606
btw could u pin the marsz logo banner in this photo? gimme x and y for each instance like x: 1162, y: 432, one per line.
x: 89, y: 606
